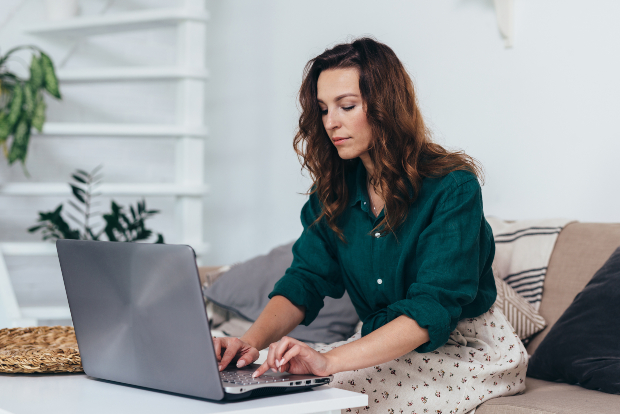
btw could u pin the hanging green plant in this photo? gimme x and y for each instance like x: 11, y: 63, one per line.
x: 21, y: 102
x: 120, y: 224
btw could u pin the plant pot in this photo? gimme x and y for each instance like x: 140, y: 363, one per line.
x: 62, y: 9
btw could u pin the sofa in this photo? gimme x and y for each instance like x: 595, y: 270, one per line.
x: 581, y: 249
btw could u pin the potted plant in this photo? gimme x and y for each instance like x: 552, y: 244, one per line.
x: 21, y: 102
x: 119, y: 224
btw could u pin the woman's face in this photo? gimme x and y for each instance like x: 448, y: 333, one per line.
x: 344, y: 112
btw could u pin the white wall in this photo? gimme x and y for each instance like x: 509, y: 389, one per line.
x: 541, y: 117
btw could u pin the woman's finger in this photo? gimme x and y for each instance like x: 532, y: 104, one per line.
x: 271, y: 356
x: 290, y: 354
x: 261, y: 370
x: 283, y: 346
x: 232, y: 347
x: 217, y: 347
x: 251, y: 356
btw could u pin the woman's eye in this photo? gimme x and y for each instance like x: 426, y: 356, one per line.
x: 348, y: 108
x: 323, y: 111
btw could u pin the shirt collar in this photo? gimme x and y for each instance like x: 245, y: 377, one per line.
x: 358, y: 192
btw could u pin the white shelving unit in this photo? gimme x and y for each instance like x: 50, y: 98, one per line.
x: 188, y: 189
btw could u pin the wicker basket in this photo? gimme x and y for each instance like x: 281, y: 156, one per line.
x: 49, y: 349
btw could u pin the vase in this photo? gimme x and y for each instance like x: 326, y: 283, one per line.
x: 61, y: 9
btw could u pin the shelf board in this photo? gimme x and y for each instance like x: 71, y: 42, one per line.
x: 140, y: 189
x: 115, y: 23
x: 130, y: 73
x: 49, y: 248
x: 122, y: 130
x: 45, y: 312
x: 28, y: 249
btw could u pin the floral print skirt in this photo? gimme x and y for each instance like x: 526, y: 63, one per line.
x: 483, y: 359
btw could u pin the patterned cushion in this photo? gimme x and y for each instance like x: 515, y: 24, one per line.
x: 522, y: 316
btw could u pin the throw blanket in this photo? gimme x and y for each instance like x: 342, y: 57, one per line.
x: 522, y: 252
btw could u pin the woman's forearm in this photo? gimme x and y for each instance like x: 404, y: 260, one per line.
x: 279, y: 317
x: 396, y: 338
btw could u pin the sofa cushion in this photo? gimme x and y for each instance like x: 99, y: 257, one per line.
x: 525, y: 320
x: 581, y: 249
x: 582, y: 347
x: 543, y: 397
x: 244, y: 290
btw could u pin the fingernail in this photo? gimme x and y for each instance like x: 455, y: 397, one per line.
x: 255, y: 374
x: 240, y: 363
x: 282, y: 361
x: 277, y: 363
x: 274, y: 370
x: 219, y: 367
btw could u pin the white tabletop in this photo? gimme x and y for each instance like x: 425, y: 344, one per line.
x: 78, y: 393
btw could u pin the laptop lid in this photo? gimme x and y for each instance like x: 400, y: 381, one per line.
x: 139, y: 315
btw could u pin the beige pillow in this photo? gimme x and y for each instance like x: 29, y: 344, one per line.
x: 525, y: 320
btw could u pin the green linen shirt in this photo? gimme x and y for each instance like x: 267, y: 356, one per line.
x: 436, y: 268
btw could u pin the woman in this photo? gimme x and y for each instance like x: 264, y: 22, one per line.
x: 396, y: 221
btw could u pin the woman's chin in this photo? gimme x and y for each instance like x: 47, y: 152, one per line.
x: 346, y: 154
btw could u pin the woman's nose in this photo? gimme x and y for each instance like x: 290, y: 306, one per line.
x: 331, y: 120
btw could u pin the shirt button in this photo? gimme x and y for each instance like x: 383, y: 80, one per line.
x: 377, y: 235
x: 379, y: 281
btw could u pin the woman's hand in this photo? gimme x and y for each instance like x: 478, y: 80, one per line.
x: 294, y: 357
x: 233, y: 348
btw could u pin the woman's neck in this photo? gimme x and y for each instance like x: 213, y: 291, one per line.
x: 370, y: 168
x: 374, y: 190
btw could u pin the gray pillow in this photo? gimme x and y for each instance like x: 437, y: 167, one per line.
x: 244, y: 290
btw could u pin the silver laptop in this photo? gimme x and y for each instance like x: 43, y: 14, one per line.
x: 140, y: 319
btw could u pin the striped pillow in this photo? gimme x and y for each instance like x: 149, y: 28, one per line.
x: 525, y: 320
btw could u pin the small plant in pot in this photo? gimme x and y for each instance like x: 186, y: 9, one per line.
x: 120, y: 224
x: 22, y: 105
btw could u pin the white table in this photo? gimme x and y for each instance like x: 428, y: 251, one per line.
x: 78, y: 393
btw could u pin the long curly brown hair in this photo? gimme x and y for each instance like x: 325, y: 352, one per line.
x: 402, y: 150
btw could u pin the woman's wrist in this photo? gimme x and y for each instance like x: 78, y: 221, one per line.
x: 333, y: 362
x: 253, y: 342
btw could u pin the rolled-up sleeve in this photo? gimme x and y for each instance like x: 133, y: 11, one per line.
x: 447, y: 266
x: 315, y: 272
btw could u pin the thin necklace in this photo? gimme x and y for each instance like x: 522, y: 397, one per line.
x: 370, y: 199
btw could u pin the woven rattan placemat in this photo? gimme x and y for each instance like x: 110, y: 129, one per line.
x: 39, y: 349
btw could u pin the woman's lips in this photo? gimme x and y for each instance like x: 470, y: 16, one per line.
x: 340, y: 141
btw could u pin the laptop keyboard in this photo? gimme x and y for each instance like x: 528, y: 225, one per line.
x: 245, y: 378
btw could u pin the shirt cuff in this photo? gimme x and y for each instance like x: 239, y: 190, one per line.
x: 429, y: 314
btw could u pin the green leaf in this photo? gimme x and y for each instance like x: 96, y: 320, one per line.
x: 49, y: 75
x: 54, y: 226
x: 76, y: 177
x: 15, y: 109
x: 35, y: 228
x: 29, y: 100
x: 19, y: 148
x: 38, y: 118
x: 36, y: 73
x: 93, y: 236
x: 78, y: 193
x: 160, y: 239
x: 76, y: 207
x: 75, y: 219
x: 8, y: 54
x: 5, y: 128
x: 96, y: 170
x: 115, y: 208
